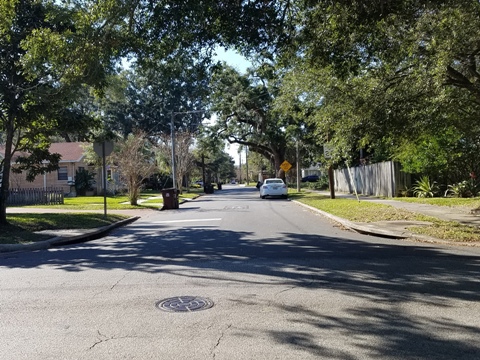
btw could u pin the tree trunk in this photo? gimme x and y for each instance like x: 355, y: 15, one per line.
x: 279, y: 158
x: 7, y: 163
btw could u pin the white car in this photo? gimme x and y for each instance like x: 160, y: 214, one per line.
x: 273, y: 187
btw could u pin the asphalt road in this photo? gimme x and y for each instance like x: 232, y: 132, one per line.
x: 285, y: 283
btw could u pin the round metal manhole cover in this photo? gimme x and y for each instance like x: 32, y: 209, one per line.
x: 184, y: 304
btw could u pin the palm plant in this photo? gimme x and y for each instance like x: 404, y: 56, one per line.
x: 466, y: 188
x: 424, y: 188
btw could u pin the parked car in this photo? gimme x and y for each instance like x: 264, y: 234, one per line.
x: 310, y: 178
x: 273, y: 187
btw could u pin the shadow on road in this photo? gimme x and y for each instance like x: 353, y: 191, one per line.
x: 392, y: 275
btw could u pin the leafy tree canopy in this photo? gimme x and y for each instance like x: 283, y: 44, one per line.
x: 46, y: 52
x: 246, y: 115
x: 384, y: 76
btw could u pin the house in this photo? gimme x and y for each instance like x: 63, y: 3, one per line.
x: 72, y: 159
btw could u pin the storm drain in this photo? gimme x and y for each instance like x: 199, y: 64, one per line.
x: 184, y: 304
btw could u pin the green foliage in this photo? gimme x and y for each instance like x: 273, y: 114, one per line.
x: 84, y: 181
x: 145, y: 97
x: 466, y: 188
x: 48, y: 51
x: 395, y: 80
x: 245, y: 114
x: 424, y: 188
x: 431, y: 153
x: 211, y: 157
x: 366, y: 211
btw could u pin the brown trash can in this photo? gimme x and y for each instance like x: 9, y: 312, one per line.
x: 170, y: 199
x: 208, y: 189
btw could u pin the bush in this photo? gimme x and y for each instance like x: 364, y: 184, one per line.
x: 84, y: 181
x: 424, y: 188
x: 463, y: 189
x: 321, y: 184
x: 405, y: 192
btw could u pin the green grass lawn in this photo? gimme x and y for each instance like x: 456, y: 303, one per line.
x: 91, y: 203
x: 22, y: 227
x: 365, y: 211
x: 469, y: 203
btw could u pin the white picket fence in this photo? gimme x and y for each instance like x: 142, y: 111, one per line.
x: 381, y: 179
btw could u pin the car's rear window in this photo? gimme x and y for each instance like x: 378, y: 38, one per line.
x: 274, y: 181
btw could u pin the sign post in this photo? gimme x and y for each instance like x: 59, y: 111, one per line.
x: 104, y: 149
x: 285, y: 166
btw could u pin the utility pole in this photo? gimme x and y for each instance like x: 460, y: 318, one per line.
x: 240, y: 167
x: 203, y: 170
x: 172, y: 135
x: 246, y: 161
x: 298, y: 166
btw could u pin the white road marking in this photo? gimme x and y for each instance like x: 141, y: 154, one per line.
x: 182, y: 221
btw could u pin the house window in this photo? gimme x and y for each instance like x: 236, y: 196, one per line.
x: 62, y: 173
x: 81, y: 168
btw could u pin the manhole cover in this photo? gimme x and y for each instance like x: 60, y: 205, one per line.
x: 184, y: 304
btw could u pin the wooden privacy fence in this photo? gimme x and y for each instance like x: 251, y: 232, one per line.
x: 48, y: 196
x: 381, y: 179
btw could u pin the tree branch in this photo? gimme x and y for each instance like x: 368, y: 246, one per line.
x: 456, y: 78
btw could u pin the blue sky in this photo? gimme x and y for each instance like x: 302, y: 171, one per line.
x: 232, y: 58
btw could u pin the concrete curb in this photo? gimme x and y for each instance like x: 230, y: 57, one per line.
x: 376, y: 231
x: 67, y: 240
x: 363, y: 229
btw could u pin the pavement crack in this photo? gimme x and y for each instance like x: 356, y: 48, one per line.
x: 103, y: 338
x: 219, y: 340
x: 285, y: 290
x: 118, y: 281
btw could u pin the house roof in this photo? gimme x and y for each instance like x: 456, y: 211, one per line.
x: 69, y: 151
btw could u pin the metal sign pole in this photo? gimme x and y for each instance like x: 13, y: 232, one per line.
x: 103, y: 149
x: 174, y: 167
x: 104, y: 181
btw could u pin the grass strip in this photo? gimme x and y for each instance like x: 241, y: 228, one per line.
x: 367, y: 212
x: 22, y: 227
x: 468, y: 203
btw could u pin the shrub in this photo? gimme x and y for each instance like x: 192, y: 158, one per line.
x: 466, y: 188
x: 84, y: 181
x: 424, y: 188
x: 321, y: 184
x: 405, y: 192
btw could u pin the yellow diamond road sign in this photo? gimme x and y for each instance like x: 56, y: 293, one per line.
x: 286, y: 166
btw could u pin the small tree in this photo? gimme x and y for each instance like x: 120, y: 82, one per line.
x: 184, y: 159
x: 136, y: 162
